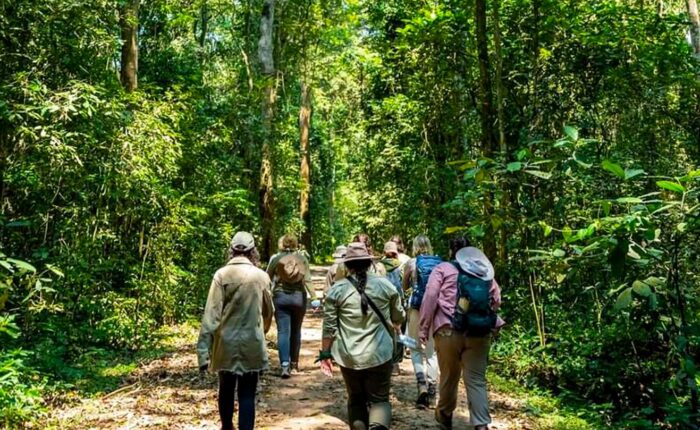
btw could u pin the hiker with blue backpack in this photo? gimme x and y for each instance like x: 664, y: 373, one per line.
x: 416, y: 273
x: 459, y: 311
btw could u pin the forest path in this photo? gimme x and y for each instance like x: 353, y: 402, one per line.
x: 169, y: 393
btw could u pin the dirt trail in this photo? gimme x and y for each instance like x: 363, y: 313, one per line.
x: 169, y: 393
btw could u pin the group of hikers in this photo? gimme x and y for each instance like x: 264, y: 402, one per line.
x: 375, y: 310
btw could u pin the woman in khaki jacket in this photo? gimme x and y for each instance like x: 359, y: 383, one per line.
x: 232, y: 338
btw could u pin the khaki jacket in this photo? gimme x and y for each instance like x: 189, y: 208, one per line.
x: 237, y: 316
x: 361, y: 341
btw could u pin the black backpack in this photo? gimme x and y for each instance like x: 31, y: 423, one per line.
x: 473, y: 315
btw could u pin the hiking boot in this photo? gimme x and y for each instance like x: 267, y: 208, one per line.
x: 444, y: 421
x: 396, y: 370
x: 482, y: 427
x: 422, y: 402
x: 432, y: 394
x: 377, y: 427
x: 286, y: 374
x: 294, y: 367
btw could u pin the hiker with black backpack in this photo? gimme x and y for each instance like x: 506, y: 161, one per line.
x: 362, y: 314
x: 416, y: 273
x: 459, y: 311
x: 291, y: 276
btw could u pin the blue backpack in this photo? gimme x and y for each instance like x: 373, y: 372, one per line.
x: 424, y: 267
x: 473, y: 315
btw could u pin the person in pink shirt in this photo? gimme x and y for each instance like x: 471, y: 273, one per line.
x: 459, y: 355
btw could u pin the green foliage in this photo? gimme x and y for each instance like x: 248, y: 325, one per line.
x: 587, y: 198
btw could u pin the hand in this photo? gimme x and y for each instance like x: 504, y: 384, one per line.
x: 327, y: 367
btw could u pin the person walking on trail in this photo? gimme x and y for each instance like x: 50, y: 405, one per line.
x: 291, y: 276
x: 231, y: 341
x: 361, y: 315
x: 392, y: 266
x: 375, y: 267
x: 459, y: 310
x: 416, y: 274
x: 338, y: 255
x: 403, y: 258
x: 394, y: 274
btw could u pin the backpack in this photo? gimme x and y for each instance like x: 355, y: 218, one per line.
x: 424, y: 267
x: 395, y: 278
x: 473, y: 315
x: 291, y: 269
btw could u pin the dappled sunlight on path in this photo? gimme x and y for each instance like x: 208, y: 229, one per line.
x: 169, y: 393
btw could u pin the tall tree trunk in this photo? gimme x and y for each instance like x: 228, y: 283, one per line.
x: 204, y: 17
x: 129, y: 24
x: 305, y: 170
x: 505, y: 204
x: 265, y: 55
x: 694, y: 26
x: 488, y: 144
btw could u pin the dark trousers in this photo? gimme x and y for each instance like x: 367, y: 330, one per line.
x: 368, y: 395
x: 289, y: 314
x: 246, y: 384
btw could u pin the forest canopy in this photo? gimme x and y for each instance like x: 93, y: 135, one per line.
x: 561, y: 137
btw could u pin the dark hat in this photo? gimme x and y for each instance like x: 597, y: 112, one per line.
x: 357, y: 251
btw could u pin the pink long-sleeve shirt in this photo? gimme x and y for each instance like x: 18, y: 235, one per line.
x: 440, y: 300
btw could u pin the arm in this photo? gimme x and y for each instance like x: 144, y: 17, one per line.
x: 396, y: 309
x: 408, y: 272
x: 430, y: 303
x: 210, y: 322
x: 268, y: 309
x: 495, y: 293
x: 308, y: 282
x: 330, y: 328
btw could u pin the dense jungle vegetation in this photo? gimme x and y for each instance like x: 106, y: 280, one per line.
x: 561, y: 136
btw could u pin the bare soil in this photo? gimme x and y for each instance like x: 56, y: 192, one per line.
x: 169, y: 393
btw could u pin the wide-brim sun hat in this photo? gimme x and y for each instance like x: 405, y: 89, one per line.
x: 340, y: 251
x: 474, y: 262
x: 357, y: 251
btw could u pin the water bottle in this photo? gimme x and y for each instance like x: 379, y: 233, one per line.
x: 410, y: 343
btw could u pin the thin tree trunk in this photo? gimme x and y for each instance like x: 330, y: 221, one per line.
x: 204, y: 14
x: 486, y: 116
x: 265, y: 54
x: 694, y: 26
x: 305, y: 170
x: 129, y: 24
x: 502, y: 143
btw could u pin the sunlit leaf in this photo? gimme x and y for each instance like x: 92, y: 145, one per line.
x: 613, y: 168
x: 671, y: 186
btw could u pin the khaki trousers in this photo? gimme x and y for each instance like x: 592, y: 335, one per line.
x: 465, y: 357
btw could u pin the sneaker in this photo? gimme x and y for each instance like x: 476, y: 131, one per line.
x: 285, y: 372
x: 294, y: 367
x: 444, y: 421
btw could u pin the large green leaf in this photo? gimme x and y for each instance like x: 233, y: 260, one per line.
x: 613, y: 168
x: 624, y: 300
x: 671, y: 186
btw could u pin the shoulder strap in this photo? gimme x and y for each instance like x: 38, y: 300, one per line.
x: 374, y: 307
